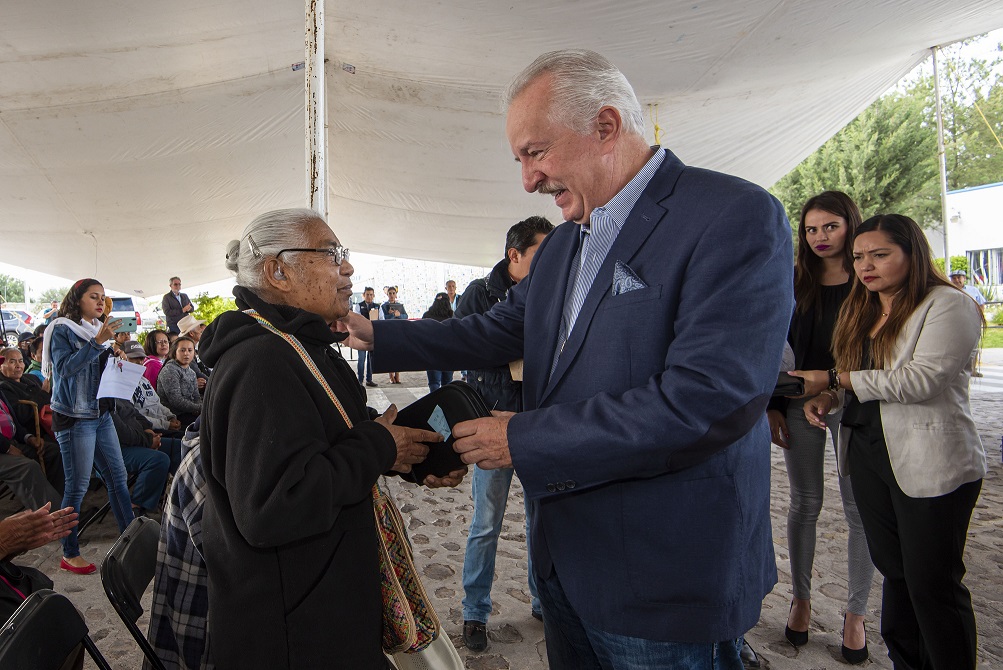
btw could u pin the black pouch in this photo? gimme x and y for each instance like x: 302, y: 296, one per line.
x: 788, y: 385
x: 439, y: 411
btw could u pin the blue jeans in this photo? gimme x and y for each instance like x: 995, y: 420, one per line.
x: 365, y: 366
x: 150, y: 467
x: 89, y: 444
x: 438, y: 378
x: 174, y: 449
x: 490, y: 491
x: 573, y: 644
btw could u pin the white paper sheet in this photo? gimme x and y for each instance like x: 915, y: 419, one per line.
x: 439, y: 424
x: 119, y: 379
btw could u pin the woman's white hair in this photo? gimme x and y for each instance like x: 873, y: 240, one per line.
x: 263, y: 238
x: 583, y: 83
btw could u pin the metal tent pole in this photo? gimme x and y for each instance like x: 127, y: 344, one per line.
x: 942, y: 159
x: 316, y: 108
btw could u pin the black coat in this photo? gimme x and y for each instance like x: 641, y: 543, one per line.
x: 28, y: 388
x: 288, y: 530
x: 19, y: 432
x: 495, y: 385
x: 131, y: 426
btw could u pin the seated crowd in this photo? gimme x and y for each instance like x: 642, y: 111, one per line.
x: 148, y: 427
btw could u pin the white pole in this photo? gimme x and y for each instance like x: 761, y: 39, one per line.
x: 316, y: 108
x: 942, y: 159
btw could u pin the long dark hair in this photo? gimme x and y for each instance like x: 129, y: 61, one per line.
x: 440, y: 309
x: 173, y: 353
x: 150, y: 346
x: 862, y: 308
x: 808, y: 266
x: 70, y: 308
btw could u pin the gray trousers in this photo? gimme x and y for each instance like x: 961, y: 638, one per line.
x: 806, y: 473
x: 25, y: 479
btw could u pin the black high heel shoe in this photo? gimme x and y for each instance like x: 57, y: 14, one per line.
x: 798, y: 638
x: 853, y: 656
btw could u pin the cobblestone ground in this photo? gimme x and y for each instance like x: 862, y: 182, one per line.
x: 438, y: 522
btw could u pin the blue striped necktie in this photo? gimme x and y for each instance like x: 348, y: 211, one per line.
x: 583, y: 273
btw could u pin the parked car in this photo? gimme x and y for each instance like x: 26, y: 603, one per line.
x: 146, y: 317
x: 26, y: 317
x: 13, y: 326
x: 128, y: 306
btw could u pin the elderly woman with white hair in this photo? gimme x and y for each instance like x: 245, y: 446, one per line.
x: 291, y: 453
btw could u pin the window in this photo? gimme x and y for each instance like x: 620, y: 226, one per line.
x: 122, y: 305
x: 986, y: 267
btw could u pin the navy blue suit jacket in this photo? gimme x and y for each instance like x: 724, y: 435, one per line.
x: 646, y: 456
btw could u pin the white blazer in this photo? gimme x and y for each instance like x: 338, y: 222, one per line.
x: 926, y: 416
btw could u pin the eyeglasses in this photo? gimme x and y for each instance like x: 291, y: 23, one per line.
x: 338, y: 253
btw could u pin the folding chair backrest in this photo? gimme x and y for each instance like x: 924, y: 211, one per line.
x: 38, y: 430
x: 44, y: 632
x: 126, y: 572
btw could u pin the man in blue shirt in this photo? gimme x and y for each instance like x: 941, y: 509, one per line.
x: 454, y: 297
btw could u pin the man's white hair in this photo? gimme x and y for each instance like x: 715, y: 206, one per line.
x: 583, y: 83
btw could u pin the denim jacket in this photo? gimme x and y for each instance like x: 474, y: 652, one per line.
x: 76, y: 373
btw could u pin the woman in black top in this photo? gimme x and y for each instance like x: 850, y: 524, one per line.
x: 393, y: 310
x: 440, y: 311
x: 821, y: 283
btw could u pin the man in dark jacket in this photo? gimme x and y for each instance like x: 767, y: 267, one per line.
x: 175, y: 305
x: 370, y: 309
x: 500, y: 391
x: 140, y: 454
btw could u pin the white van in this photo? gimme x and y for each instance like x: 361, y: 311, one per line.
x: 134, y: 307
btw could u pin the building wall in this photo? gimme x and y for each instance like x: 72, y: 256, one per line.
x: 975, y: 230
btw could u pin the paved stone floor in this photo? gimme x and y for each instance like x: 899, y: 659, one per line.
x: 438, y: 522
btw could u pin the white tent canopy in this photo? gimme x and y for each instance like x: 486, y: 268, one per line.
x: 136, y: 139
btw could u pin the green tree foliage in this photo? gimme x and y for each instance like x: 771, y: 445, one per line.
x: 886, y: 158
x: 972, y: 100
x: 957, y: 263
x: 210, y: 307
x: 50, y: 294
x: 11, y: 289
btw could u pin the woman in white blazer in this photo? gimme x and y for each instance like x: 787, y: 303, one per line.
x: 903, y: 347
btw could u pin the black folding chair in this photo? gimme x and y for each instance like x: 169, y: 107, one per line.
x: 46, y: 633
x: 126, y: 572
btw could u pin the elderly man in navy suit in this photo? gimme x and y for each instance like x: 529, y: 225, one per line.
x: 653, y: 322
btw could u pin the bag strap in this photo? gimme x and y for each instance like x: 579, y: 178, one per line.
x: 314, y: 370
x: 311, y: 366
